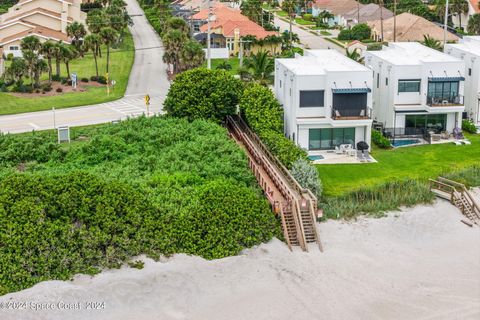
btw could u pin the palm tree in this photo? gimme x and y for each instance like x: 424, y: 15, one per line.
x: 289, y: 7
x: 354, y: 54
x: 192, y: 55
x: 77, y: 31
x: 16, y: 70
x: 261, y: 67
x: 108, y: 36
x: 474, y: 24
x: 30, y: 48
x: 176, y: 23
x: 173, y: 42
x: 93, y: 42
x: 96, y: 20
x: 68, y: 53
x: 31, y: 43
x: 288, y: 39
x: 459, y: 7
x: 57, y: 54
x: 432, y: 43
x: 48, y: 51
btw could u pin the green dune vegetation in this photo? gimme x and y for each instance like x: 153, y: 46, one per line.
x: 156, y: 186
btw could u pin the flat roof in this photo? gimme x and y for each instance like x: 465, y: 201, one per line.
x: 318, y: 62
x: 411, y: 53
x: 471, y: 46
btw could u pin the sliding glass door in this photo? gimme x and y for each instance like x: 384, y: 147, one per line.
x: 329, y: 138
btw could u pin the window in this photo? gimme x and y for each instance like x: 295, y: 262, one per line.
x: 408, y: 86
x: 280, y: 83
x: 314, y: 98
x: 469, y: 71
x: 439, y: 91
x: 378, y: 80
x: 329, y: 138
x: 420, y: 123
x: 13, y: 48
x: 386, y: 81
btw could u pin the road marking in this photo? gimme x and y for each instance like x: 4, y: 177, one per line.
x: 33, y: 125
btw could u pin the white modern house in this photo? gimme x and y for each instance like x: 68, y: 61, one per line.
x: 326, y: 99
x: 417, y: 90
x: 469, y: 51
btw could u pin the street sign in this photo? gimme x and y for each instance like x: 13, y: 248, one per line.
x: 147, y: 99
x: 63, y: 134
x: 113, y: 82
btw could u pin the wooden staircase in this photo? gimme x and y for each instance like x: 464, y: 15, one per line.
x: 296, y: 206
x: 458, y: 194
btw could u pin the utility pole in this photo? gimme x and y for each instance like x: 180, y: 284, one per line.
x: 209, y: 57
x: 381, y: 18
x: 445, y: 25
x: 358, y: 11
x: 394, y: 20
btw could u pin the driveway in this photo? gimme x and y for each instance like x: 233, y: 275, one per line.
x: 148, y: 76
x: 306, y: 38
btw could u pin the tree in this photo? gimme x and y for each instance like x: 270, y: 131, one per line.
x: 192, y: 55
x: 173, y: 42
x: 203, y: 94
x: 48, y: 50
x: 289, y: 7
x: 96, y: 20
x: 93, y: 43
x: 77, y: 31
x: 459, y: 7
x: 16, y: 70
x: 474, y: 24
x: 253, y: 10
x: 179, y: 24
x: 68, y: 53
x: 432, y: 43
x: 57, y: 53
x: 108, y: 36
x: 307, y: 176
x: 31, y: 43
x: 288, y: 39
x: 354, y: 54
x: 261, y: 67
x: 31, y: 46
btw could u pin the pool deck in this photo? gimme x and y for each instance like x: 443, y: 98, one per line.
x: 330, y: 157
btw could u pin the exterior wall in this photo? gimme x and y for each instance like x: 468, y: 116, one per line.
x: 472, y: 79
x: 298, y: 120
x: 390, y: 106
x: 52, y: 5
x: 45, y: 21
x: 12, y: 29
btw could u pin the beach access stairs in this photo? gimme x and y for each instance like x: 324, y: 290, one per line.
x: 458, y: 194
x: 296, y: 206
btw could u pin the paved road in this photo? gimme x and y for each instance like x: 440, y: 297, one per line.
x: 306, y: 38
x: 148, y: 75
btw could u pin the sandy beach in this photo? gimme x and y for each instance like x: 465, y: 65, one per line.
x: 421, y: 263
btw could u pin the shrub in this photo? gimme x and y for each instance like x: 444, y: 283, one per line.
x: 10, y: 57
x: 59, y: 90
x: 56, y: 78
x: 102, y: 80
x: 468, y: 126
x: 264, y: 115
x: 308, y: 17
x: 380, y: 141
x: 84, y: 80
x: 284, y: 149
x: 358, y: 32
x: 345, y: 34
x: 152, y: 186
x: 377, y: 46
x: 93, y: 78
x: 203, y: 94
x: 307, y: 176
x: 46, y: 87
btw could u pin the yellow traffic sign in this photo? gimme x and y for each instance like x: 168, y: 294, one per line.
x: 147, y: 99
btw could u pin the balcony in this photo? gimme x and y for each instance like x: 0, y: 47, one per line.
x: 350, y: 114
x: 442, y: 101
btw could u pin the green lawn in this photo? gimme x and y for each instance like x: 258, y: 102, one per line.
x: 281, y: 13
x: 234, y: 62
x: 121, y: 61
x: 303, y: 22
x: 420, y: 162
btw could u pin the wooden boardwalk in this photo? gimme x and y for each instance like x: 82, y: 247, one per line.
x: 296, y: 206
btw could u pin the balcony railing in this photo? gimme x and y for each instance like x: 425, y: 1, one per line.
x: 445, y: 101
x: 350, y: 114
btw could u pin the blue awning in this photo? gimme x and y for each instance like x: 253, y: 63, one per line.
x: 444, y: 79
x: 352, y: 90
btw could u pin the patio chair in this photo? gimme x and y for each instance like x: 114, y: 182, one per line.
x: 338, y: 150
x: 362, y: 113
x: 445, y: 135
x: 337, y: 114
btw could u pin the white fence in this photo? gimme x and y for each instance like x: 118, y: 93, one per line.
x: 217, y: 53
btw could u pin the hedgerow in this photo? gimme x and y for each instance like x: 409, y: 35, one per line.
x: 264, y: 115
x: 173, y: 187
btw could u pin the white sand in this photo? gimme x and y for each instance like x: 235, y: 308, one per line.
x: 422, y: 263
